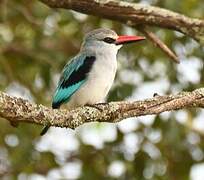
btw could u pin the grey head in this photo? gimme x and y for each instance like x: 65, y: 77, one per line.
x: 106, y: 40
x: 102, y: 34
x: 100, y: 38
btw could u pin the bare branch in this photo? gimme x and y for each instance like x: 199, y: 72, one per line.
x: 17, y: 110
x: 157, y: 42
x: 135, y: 14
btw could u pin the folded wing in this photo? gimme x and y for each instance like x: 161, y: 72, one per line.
x: 74, y: 75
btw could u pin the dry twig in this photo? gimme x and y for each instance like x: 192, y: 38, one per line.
x: 157, y: 42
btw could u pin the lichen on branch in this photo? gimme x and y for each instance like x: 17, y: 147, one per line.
x: 17, y: 110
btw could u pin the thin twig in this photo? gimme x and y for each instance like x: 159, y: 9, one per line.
x: 157, y: 42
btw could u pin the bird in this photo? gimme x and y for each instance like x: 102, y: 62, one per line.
x: 87, y: 78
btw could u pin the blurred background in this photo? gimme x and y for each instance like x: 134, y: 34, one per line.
x: 35, y: 44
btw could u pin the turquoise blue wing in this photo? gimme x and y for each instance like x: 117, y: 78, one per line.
x: 74, y: 75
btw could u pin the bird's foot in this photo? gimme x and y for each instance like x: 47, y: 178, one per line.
x: 103, y: 103
x: 156, y: 95
x: 96, y: 106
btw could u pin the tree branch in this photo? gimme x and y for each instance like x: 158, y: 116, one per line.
x: 157, y: 42
x: 135, y: 14
x: 17, y: 110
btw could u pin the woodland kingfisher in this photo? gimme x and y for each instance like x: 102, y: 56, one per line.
x: 87, y: 78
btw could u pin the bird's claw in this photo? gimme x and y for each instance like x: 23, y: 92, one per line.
x: 96, y: 106
x: 156, y: 95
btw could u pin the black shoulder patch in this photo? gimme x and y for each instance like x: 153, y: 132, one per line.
x: 79, y: 74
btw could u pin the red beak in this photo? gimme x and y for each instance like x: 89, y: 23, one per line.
x: 128, y: 39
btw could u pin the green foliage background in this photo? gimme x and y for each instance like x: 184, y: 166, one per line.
x: 35, y: 44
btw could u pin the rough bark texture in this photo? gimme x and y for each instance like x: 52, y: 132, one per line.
x: 17, y: 110
x: 135, y: 14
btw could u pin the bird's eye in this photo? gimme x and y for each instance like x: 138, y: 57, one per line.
x: 109, y: 40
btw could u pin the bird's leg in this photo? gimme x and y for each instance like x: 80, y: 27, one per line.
x: 103, y: 103
x: 96, y: 106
